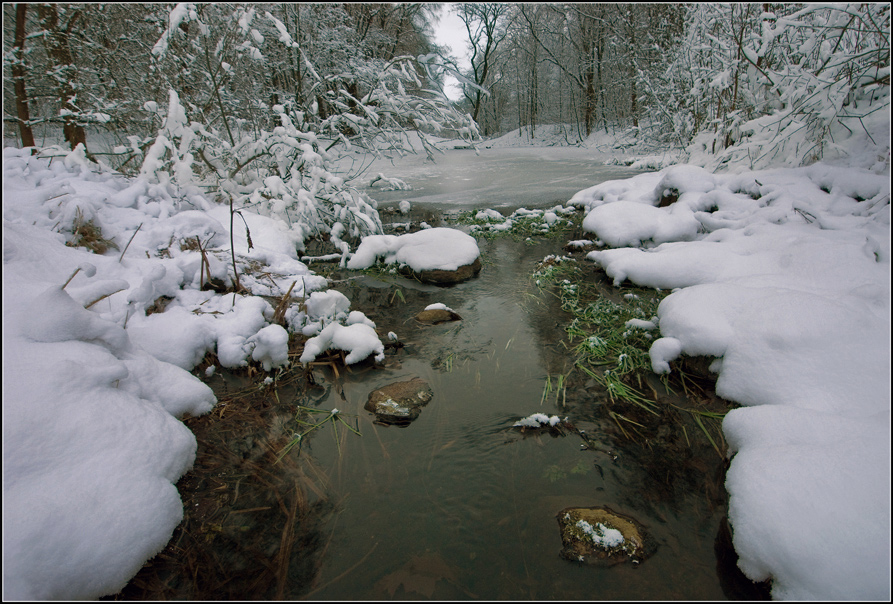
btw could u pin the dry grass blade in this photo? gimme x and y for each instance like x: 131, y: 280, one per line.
x: 121, y: 257
x: 279, y: 314
x: 707, y: 434
x: 103, y: 297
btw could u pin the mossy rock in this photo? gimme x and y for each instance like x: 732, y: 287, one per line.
x: 399, y: 403
x: 601, y: 536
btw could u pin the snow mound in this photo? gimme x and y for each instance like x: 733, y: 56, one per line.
x: 628, y: 224
x: 97, y: 345
x: 358, y: 339
x: 92, y: 448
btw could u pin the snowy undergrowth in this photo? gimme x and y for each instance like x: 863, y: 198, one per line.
x: 784, y: 277
x: 98, y: 345
x: 520, y: 223
x: 96, y: 353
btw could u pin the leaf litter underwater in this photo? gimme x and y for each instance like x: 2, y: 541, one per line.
x: 458, y: 504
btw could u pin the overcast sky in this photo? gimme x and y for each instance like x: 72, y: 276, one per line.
x: 450, y: 31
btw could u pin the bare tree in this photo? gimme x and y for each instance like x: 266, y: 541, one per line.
x: 482, y: 22
x: 18, y: 75
x: 65, y: 71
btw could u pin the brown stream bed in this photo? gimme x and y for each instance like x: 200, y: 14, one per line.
x: 457, y: 505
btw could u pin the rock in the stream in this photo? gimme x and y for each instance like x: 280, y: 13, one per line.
x: 445, y: 277
x: 599, y: 535
x: 401, y: 402
x: 437, y: 313
x: 433, y: 255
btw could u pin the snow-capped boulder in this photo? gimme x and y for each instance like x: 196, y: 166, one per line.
x: 437, y: 255
x: 437, y: 313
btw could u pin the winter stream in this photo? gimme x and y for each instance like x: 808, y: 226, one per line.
x: 458, y: 504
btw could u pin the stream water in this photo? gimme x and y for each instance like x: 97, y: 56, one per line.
x: 461, y: 505
x: 457, y: 505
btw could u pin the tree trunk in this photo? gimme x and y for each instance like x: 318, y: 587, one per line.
x: 590, y: 100
x: 18, y: 76
x: 296, y: 59
x: 633, y: 101
x: 598, y: 74
x: 534, y: 93
x: 60, y: 54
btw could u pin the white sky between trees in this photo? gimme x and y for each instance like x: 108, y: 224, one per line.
x: 450, y: 31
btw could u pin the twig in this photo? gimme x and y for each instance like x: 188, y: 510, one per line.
x: 279, y: 314
x: 128, y: 243
x: 232, y: 245
x: 72, y: 277
x: 103, y: 297
x: 201, y: 272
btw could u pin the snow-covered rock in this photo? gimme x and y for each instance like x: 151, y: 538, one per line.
x: 429, y: 253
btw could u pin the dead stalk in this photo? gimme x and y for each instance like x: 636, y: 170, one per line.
x: 121, y: 257
x: 103, y: 297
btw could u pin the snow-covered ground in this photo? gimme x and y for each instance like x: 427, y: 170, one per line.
x: 782, y: 275
x: 94, y: 375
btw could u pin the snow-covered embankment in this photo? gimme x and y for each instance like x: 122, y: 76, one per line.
x: 784, y: 277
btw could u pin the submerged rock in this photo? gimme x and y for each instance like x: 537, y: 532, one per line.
x: 599, y: 535
x: 401, y: 402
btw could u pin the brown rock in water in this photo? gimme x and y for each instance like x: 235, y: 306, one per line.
x: 601, y: 535
x: 400, y: 402
x: 443, y: 277
x: 436, y: 315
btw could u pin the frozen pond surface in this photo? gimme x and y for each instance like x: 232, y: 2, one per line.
x: 502, y: 178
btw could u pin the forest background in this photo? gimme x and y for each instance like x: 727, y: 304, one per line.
x: 201, y: 94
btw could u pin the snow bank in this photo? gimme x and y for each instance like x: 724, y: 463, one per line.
x: 91, y: 447
x: 784, y: 277
x: 94, y: 373
x: 430, y: 249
